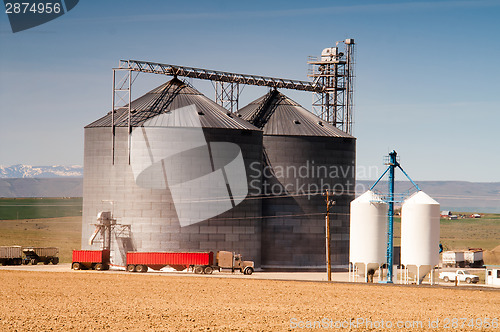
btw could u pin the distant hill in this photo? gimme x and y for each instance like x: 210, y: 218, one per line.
x: 28, y: 171
x: 48, y: 187
x: 41, y: 181
x: 458, y: 196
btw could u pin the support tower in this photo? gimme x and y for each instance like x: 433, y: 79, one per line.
x: 334, y: 70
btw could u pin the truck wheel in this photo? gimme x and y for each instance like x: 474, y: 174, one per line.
x: 46, y: 262
x: 446, y: 279
x: 131, y: 268
x: 468, y: 280
x: 141, y: 268
x: 208, y: 270
x: 248, y: 271
x: 98, y: 267
x: 55, y: 260
x: 34, y: 262
x: 26, y: 262
x: 76, y: 266
x: 198, y: 269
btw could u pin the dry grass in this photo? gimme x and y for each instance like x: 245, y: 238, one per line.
x: 466, y: 233
x: 64, y: 233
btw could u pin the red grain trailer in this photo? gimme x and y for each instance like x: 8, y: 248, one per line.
x: 90, y: 259
x: 198, y: 262
x: 141, y: 261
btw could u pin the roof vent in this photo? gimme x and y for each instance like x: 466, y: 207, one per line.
x: 320, y: 123
x: 229, y: 114
x: 239, y: 115
x: 296, y: 121
x: 201, y: 113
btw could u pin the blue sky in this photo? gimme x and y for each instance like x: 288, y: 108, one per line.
x: 427, y: 72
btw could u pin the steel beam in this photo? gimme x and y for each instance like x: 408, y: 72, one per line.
x: 219, y: 76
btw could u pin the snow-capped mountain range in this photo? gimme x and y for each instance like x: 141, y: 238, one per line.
x: 28, y: 171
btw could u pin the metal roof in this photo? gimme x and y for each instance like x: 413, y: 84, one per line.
x: 169, y: 96
x: 286, y: 117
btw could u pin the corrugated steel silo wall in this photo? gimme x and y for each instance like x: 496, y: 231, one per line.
x: 151, y: 212
x: 299, y: 242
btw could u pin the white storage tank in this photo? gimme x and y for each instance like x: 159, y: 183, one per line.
x: 420, y: 234
x: 368, y: 233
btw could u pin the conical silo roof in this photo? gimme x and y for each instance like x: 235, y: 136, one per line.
x: 276, y: 114
x: 421, y: 198
x: 169, y: 96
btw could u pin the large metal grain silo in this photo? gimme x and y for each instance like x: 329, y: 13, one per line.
x: 303, y: 156
x: 180, y: 178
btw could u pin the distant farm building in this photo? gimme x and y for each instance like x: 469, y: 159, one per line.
x: 493, y: 275
x: 445, y: 214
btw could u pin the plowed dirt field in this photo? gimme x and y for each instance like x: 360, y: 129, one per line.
x: 93, y: 301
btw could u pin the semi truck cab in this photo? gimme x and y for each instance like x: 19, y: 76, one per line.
x: 230, y: 260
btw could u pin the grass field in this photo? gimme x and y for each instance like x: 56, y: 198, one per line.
x: 464, y: 233
x: 35, y: 208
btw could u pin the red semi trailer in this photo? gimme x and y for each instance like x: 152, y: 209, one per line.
x: 199, y: 262
x: 90, y: 259
x: 141, y: 261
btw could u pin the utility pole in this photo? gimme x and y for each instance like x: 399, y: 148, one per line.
x: 329, y: 203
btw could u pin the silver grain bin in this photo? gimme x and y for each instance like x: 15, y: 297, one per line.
x: 181, y: 179
x: 303, y: 156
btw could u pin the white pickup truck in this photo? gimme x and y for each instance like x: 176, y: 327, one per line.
x: 462, y: 276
